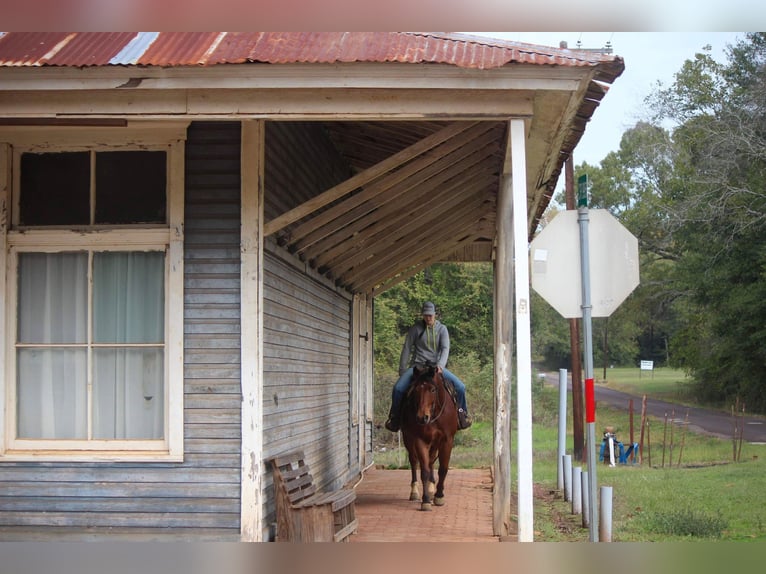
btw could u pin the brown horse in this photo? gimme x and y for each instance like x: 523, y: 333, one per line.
x: 429, y: 424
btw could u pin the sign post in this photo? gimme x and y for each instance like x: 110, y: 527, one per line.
x: 590, y: 398
x: 608, y: 273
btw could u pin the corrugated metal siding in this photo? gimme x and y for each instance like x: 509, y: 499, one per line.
x: 211, y: 48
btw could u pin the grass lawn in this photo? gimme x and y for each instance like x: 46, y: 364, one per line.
x: 691, y: 490
x: 662, y: 383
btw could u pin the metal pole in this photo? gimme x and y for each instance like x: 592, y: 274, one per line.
x: 562, y: 426
x: 590, y: 400
x: 605, y: 532
x: 567, y: 477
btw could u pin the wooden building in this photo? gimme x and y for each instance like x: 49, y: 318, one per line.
x: 194, y: 228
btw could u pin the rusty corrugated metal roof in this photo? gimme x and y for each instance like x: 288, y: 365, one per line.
x: 170, y: 49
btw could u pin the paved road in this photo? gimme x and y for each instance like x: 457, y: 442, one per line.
x: 709, y: 421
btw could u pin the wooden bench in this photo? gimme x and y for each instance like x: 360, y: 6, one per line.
x: 305, y: 515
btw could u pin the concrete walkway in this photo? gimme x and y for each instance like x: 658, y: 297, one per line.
x: 386, y: 514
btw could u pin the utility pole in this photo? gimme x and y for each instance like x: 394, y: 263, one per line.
x: 578, y: 430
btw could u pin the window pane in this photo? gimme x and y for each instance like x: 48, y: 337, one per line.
x: 130, y: 187
x: 129, y: 297
x: 55, y: 189
x: 52, y: 399
x: 53, y: 298
x: 128, y: 397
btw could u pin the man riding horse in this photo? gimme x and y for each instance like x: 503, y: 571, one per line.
x: 427, y: 341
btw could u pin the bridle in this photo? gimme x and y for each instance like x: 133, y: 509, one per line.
x: 440, y: 402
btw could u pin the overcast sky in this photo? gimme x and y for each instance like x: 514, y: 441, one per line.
x: 648, y: 56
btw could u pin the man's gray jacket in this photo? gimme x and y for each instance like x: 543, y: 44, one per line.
x: 423, y: 344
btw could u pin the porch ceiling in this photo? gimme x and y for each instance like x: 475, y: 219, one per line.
x: 423, y: 192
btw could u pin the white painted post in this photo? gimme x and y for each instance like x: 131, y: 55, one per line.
x: 577, y: 490
x: 567, y: 477
x: 251, y: 330
x: 605, y: 518
x: 523, y: 331
x: 562, y: 426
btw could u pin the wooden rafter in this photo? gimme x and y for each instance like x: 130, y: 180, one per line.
x: 379, y: 191
x: 364, y: 177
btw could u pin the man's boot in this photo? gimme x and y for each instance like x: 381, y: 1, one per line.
x: 393, y: 423
x: 464, y: 419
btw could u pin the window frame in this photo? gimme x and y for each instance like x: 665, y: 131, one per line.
x: 168, y: 237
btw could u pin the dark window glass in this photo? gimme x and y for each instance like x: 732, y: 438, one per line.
x: 55, y: 189
x: 130, y: 187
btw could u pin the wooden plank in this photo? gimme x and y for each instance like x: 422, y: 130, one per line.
x: 109, y: 519
x: 5, y: 189
x: 124, y: 534
x: 414, y: 247
x: 115, y: 504
x: 378, y: 237
x: 363, y: 178
x: 169, y: 492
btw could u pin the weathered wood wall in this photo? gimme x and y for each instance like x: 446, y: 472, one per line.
x: 307, y: 366
x: 307, y: 322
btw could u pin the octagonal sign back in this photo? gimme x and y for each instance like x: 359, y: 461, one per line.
x: 555, y: 263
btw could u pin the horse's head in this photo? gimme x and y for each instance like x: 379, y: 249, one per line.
x: 426, y: 398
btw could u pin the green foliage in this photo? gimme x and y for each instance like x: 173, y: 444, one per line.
x: 689, y: 184
x: 463, y: 295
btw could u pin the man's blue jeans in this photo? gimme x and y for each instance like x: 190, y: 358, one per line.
x: 400, y: 388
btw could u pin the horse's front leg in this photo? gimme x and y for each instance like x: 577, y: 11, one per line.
x: 445, y: 453
x: 426, y: 477
x: 412, y: 455
x: 414, y: 487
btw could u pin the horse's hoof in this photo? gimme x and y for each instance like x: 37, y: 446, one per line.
x: 439, y: 501
x: 425, y: 506
x: 414, y: 496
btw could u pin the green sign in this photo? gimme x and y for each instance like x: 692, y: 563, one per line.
x: 582, y: 190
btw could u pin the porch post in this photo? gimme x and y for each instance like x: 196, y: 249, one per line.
x: 523, y: 334
x: 251, y: 336
x: 501, y: 494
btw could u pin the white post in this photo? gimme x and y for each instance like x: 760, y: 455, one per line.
x: 523, y: 331
x: 577, y: 490
x: 562, y: 425
x: 605, y: 524
x: 251, y: 330
x: 567, y: 477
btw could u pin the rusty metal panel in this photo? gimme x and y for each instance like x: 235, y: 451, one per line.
x: 211, y: 48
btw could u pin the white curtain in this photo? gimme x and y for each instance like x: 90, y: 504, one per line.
x: 53, y: 310
x: 128, y: 308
